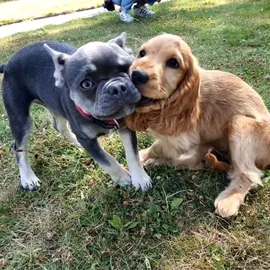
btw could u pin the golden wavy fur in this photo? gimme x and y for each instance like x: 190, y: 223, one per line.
x: 192, y: 111
x: 179, y: 112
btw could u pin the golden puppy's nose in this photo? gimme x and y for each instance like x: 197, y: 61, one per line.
x: 139, y: 77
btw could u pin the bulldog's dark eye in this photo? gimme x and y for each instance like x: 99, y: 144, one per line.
x: 142, y: 53
x: 172, y: 63
x: 86, y: 84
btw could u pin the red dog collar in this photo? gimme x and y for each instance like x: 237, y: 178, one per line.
x: 108, y: 124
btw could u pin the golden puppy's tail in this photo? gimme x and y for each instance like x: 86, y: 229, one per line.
x: 211, y: 161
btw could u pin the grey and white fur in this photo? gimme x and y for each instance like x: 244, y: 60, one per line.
x: 60, y: 77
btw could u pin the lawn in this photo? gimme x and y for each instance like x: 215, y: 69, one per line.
x: 78, y: 220
x: 15, y: 11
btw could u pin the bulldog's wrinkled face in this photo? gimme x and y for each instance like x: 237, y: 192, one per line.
x: 97, y: 76
x: 99, y: 84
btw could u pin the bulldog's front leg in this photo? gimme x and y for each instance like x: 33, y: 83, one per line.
x: 139, y: 177
x: 117, y: 172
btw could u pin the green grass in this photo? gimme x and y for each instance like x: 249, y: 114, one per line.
x: 20, y: 10
x: 78, y: 220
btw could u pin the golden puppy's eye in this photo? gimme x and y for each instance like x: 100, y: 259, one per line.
x: 172, y: 63
x: 142, y: 53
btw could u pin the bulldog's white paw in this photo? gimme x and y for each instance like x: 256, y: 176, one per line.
x: 141, y: 181
x: 123, y: 179
x: 30, y: 182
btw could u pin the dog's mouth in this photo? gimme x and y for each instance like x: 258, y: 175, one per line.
x: 146, y: 101
x: 116, y: 115
x: 107, y: 117
x: 107, y: 122
x: 119, y: 114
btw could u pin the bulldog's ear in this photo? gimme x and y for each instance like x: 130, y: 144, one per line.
x: 59, y: 60
x: 121, y: 42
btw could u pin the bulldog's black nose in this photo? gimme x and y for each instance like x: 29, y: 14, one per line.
x: 116, y: 89
x: 139, y: 77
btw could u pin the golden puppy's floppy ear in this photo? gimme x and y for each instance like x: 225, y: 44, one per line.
x: 189, y: 90
x: 180, y: 112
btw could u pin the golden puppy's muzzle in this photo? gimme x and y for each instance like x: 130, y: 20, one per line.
x: 145, y: 76
x: 139, y: 77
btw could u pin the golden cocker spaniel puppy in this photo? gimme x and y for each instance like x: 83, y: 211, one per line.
x: 190, y: 110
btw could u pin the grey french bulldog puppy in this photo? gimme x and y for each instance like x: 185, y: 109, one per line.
x: 87, y: 87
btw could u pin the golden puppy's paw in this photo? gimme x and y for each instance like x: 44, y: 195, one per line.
x: 153, y: 162
x: 227, y: 203
x: 143, y: 154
